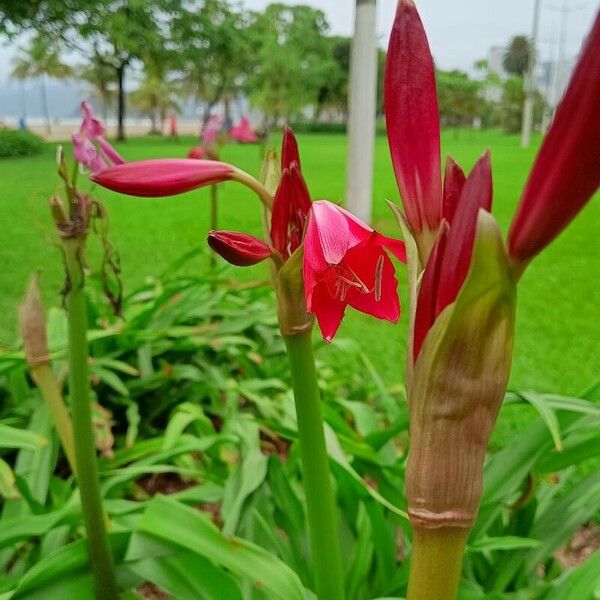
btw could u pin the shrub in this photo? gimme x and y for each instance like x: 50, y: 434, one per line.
x: 15, y: 143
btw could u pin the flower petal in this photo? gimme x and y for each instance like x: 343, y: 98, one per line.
x: 86, y: 154
x: 566, y: 172
x: 162, y: 177
x: 376, y: 271
x: 113, y: 156
x: 291, y: 206
x: 333, y: 232
x: 329, y: 311
x: 91, y: 126
x: 476, y: 194
x: 426, y: 311
x: 289, y: 149
x: 454, y: 180
x: 412, y: 118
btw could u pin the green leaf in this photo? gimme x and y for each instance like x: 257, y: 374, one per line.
x: 169, y: 521
x: 548, y: 416
x: 337, y: 454
x: 248, y: 475
x: 11, y: 437
x: 8, y: 489
x: 187, y: 576
x: 508, y: 542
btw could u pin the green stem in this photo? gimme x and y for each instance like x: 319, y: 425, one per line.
x: 256, y: 186
x: 436, y: 563
x: 85, y: 451
x: 322, y: 512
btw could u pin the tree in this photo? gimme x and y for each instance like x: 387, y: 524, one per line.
x: 102, y: 82
x: 459, y: 98
x: 333, y: 94
x: 293, y: 60
x: 39, y: 61
x: 211, y: 40
x: 516, y: 56
x: 120, y: 33
x: 511, y: 107
x: 155, y: 97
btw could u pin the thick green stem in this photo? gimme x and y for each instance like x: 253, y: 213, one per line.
x: 85, y: 451
x: 321, y: 508
x: 436, y: 563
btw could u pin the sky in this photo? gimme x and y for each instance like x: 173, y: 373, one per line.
x: 460, y: 32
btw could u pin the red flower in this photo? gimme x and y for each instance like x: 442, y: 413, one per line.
x: 345, y: 263
x: 566, y: 172
x: 413, y: 126
x: 237, y: 248
x: 162, y: 176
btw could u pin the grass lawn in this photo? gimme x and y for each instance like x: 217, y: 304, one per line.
x: 558, y: 329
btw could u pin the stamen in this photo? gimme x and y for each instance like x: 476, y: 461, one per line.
x: 378, y: 278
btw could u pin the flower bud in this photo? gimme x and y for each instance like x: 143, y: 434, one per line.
x: 33, y: 324
x: 237, y: 248
x: 162, y: 177
x: 457, y: 387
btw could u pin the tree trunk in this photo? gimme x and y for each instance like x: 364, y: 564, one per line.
x: 45, y: 103
x: 121, y: 102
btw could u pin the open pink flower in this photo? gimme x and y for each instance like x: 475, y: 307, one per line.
x: 243, y: 132
x: 90, y: 146
x: 211, y: 130
x: 346, y: 263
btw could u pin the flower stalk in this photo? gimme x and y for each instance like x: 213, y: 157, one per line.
x: 320, y: 500
x: 436, y: 563
x: 100, y: 555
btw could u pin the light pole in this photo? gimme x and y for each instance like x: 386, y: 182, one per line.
x: 362, y: 101
x: 527, y: 123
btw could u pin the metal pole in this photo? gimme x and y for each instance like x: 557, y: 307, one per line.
x: 362, y: 108
x: 530, y: 80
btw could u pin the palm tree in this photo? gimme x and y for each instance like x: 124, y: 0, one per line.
x: 155, y: 97
x: 102, y: 82
x: 39, y: 61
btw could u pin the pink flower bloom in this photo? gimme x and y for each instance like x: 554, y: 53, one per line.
x: 238, y: 248
x: 94, y: 157
x: 243, y: 132
x: 197, y: 153
x: 413, y: 126
x: 162, y: 176
x: 566, y: 172
x: 211, y: 130
x: 346, y: 263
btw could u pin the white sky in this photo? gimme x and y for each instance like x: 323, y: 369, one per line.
x: 460, y: 32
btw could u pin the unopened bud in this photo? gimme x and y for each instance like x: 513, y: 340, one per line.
x: 237, y: 248
x: 457, y: 387
x: 33, y: 324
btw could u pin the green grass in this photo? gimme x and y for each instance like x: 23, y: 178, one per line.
x: 558, y: 329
